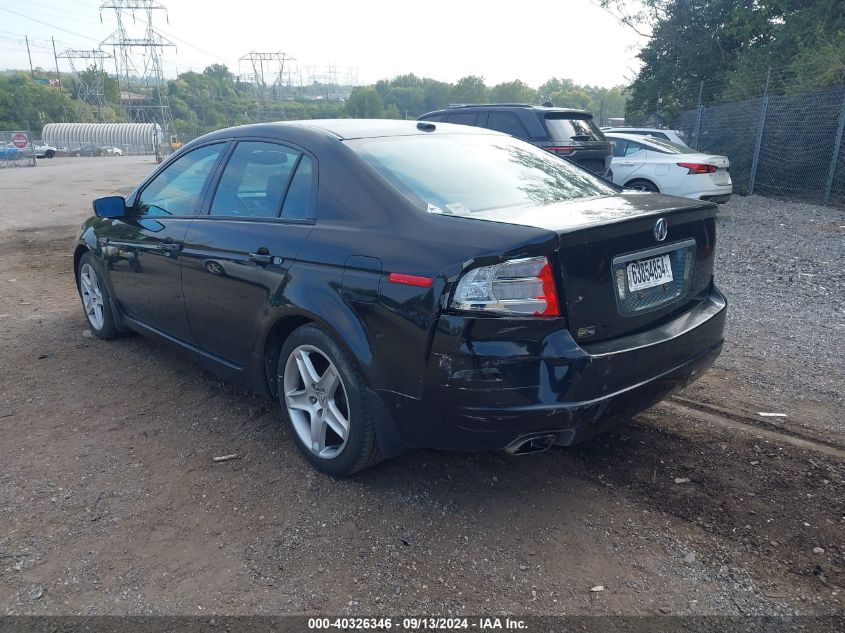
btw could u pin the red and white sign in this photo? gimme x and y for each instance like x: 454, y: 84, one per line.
x: 20, y: 140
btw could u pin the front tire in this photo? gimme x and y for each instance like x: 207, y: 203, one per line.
x: 95, y: 299
x: 324, y: 402
x: 50, y: 153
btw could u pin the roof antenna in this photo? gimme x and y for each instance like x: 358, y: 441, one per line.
x: 548, y: 104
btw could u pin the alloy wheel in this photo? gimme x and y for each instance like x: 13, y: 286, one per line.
x: 316, y: 401
x: 92, y: 296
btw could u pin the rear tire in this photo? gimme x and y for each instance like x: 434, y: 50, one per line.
x: 96, y: 301
x: 643, y: 185
x: 324, y: 401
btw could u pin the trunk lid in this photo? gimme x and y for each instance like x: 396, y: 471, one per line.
x: 600, y: 238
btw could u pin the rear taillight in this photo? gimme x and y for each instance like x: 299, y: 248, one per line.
x: 517, y: 286
x: 698, y: 168
x: 560, y: 149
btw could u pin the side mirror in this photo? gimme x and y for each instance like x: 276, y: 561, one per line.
x: 110, y: 207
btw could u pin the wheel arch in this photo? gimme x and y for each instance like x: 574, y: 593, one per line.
x: 80, y: 250
x: 351, y: 339
x: 633, y: 181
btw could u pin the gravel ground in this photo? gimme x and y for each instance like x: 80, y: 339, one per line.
x: 110, y: 502
x: 782, y: 267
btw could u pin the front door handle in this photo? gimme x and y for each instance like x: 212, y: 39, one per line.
x: 262, y: 256
x: 625, y: 164
x: 170, y: 246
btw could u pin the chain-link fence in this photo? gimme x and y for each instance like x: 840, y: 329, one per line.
x: 781, y: 142
x: 16, y: 149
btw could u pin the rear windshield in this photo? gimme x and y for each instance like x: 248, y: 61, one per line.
x: 566, y: 128
x: 668, y: 147
x: 458, y: 174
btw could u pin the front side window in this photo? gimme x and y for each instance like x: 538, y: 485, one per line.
x: 254, y: 180
x: 178, y: 188
x: 461, y: 174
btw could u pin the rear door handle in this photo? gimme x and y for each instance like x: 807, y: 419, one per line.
x: 625, y: 164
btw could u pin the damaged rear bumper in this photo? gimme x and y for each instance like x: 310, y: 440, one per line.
x: 493, y: 383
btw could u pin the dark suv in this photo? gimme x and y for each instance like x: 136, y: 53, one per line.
x: 569, y: 133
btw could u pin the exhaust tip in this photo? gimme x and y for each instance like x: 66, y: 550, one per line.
x: 536, y: 444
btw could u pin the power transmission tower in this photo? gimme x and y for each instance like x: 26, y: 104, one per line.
x: 139, y: 41
x: 89, y: 77
x: 267, y: 76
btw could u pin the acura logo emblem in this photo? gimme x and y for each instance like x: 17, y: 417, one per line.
x: 660, y: 229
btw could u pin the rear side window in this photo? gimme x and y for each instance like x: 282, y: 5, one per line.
x: 633, y: 148
x: 459, y: 174
x: 255, y: 180
x: 508, y: 123
x: 464, y: 118
x: 566, y: 128
x: 619, y: 146
x: 298, y: 199
x: 177, y: 189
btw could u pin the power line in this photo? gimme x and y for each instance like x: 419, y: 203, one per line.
x: 52, y: 26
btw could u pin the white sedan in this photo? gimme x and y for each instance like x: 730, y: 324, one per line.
x: 652, y: 164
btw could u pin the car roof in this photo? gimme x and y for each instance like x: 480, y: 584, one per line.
x: 510, y: 106
x: 345, y: 129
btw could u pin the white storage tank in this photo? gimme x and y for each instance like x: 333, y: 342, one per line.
x: 131, y: 138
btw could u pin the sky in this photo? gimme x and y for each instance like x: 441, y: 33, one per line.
x: 376, y: 39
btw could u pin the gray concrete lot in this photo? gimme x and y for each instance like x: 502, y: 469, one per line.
x: 110, y: 502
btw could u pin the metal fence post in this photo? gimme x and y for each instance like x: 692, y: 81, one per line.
x: 759, y: 142
x: 698, y: 118
x: 835, y: 156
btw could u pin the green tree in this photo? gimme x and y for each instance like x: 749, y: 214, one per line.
x: 364, y: 102
x: 470, y: 89
x: 515, y: 91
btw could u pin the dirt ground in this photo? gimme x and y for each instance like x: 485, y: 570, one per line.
x: 110, y: 502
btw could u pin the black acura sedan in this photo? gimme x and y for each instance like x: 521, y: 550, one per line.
x: 402, y: 284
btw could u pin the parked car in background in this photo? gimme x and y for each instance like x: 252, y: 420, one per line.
x: 42, y: 150
x: 111, y: 151
x: 653, y: 164
x: 674, y: 136
x: 569, y: 133
x: 10, y: 152
x: 399, y: 284
x: 85, y: 149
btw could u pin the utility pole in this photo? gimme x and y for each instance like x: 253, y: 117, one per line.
x: 56, y: 59
x: 31, y: 71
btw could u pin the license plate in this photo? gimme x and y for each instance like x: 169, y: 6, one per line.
x: 647, y: 273
x: 722, y: 177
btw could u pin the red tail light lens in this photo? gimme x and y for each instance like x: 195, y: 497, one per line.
x: 516, y: 286
x: 698, y: 168
x: 560, y: 149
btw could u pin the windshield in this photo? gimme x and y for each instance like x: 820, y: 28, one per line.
x: 566, y: 128
x: 464, y: 173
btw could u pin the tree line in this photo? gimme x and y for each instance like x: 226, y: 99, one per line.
x: 214, y: 98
